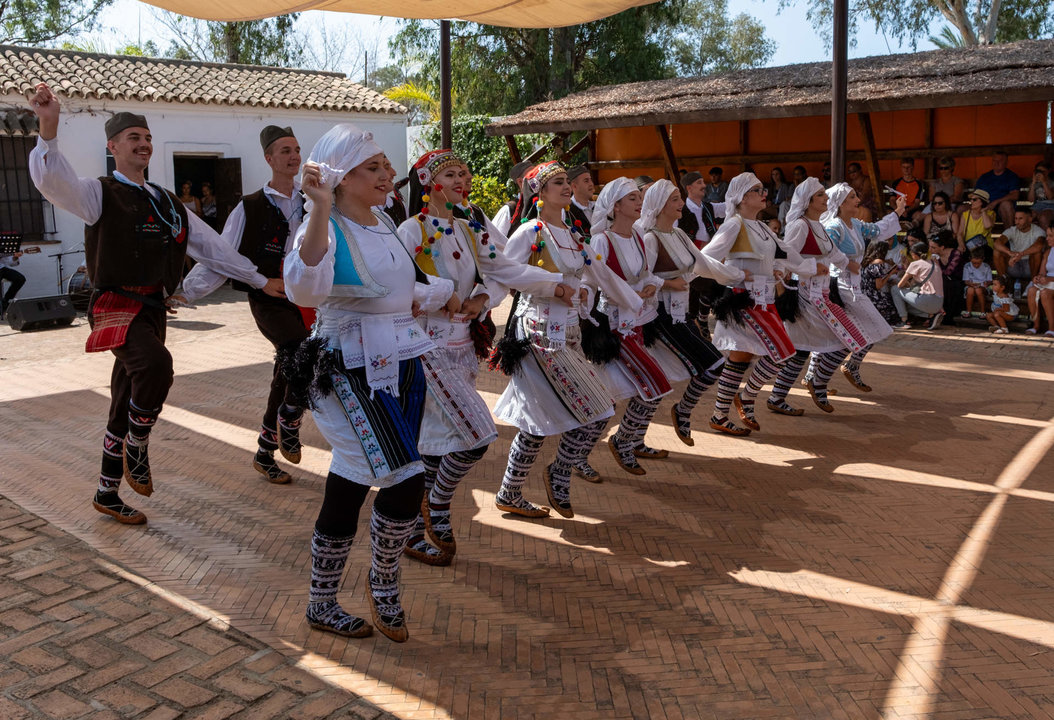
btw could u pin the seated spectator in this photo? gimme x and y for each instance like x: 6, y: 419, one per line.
x: 14, y: 278
x: 1003, y: 188
x: 940, y: 217
x: 1004, y: 309
x: 914, y: 193
x: 977, y: 277
x: 825, y: 178
x: 876, y: 272
x: 944, y: 249
x: 854, y: 175
x: 975, y: 225
x: 798, y: 175
x: 1019, y: 251
x: 921, y: 291
x: 1041, y: 195
x: 898, y: 253
x: 947, y: 183
x: 1041, y: 290
x: 716, y: 189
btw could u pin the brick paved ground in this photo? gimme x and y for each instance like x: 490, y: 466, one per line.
x: 891, y: 560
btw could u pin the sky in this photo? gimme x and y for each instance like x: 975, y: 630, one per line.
x: 128, y: 20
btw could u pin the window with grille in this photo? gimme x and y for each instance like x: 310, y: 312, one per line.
x: 22, y: 208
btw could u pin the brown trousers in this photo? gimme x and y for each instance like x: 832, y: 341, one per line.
x: 281, y: 323
x: 142, y: 370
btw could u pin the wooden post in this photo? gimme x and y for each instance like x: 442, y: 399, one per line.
x: 744, y: 142
x: 514, y: 150
x: 871, y: 160
x: 839, y: 88
x: 445, y: 104
x: 592, y: 156
x: 672, y: 171
x: 930, y: 168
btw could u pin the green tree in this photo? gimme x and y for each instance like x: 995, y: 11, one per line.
x: 977, y: 22
x: 711, y: 41
x: 42, y: 22
x: 255, y: 42
x: 498, y: 70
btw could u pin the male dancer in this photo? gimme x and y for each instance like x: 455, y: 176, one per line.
x: 135, y: 243
x: 581, y: 208
x: 261, y: 227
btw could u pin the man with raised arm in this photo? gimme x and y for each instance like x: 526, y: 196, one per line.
x: 136, y: 238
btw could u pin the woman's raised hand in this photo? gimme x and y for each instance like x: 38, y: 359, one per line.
x: 313, y: 185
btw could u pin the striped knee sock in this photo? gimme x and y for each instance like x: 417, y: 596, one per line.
x: 728, y: 385
x: 635, y: 423
x: 788, y: 375
x: 854, y: 360
x: 453, y: 468
x: 826, y: 366
x: 522, y: 454
x: 112, y: 463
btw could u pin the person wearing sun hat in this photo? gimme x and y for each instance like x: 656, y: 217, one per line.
x: 136, y: 238
x: 457, y: 427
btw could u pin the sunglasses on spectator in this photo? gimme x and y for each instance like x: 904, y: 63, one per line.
x: 945, y: 167
x: 938, y: 202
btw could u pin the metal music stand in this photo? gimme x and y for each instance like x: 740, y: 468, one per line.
x: 59, y: 256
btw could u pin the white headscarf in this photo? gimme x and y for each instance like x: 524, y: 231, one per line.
x: 738, y: 188
x: 836, y: 195
x: 802, y: 197
x: 655, y: 200
x: 609, y: 195
x: 340, y: 151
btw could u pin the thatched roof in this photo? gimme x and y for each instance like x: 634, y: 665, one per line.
x: 988, y: 75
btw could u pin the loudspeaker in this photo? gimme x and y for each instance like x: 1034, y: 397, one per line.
x: 41, y: 312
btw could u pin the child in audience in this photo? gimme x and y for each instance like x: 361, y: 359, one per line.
x: 1003, y: 308
x: 977, y: 276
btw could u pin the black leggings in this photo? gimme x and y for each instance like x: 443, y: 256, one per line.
x: 339, y: 516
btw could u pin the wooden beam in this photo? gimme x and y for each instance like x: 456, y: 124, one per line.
x: 819, y: 156
x: 673, y: 173
x: 557, y: 140
x: 871, y: 161
x: 575, y: 149
x: 514, y: 150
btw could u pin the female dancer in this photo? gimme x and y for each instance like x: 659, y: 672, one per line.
x: 363, y: 367
x: 553, y: 389
x: 675, y: 259
x: 634, y: 373
x: 457, y: 426
x: 821, y: 325
x: 748, y: 324
x: 851, y: 235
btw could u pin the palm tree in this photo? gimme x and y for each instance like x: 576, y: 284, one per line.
x: 947, y: 39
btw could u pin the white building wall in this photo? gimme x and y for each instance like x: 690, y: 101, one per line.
x: 225, y: 131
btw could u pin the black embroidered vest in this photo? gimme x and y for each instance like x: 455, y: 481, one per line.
x: 129, y: 245
x: 263, y: 238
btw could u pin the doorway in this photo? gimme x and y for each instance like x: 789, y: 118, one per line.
x: 215, y: 181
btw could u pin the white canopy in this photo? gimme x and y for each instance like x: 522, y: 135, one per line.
x: 508, y: 13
